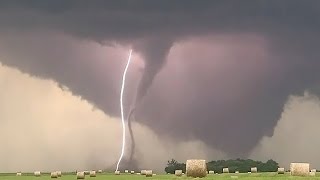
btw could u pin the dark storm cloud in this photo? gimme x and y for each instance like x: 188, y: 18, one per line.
x: 291, y: 28
x: 132, y: 19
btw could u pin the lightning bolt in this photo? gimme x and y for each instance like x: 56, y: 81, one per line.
x: 121, y: 108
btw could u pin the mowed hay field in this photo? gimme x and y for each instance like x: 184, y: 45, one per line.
x: 111, y: 176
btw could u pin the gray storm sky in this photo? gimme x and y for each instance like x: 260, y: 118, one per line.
x: 217, y: 71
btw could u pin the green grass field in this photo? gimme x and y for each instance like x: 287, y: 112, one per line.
x: 105, y: 176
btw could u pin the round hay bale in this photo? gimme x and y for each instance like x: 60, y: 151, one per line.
x: 19, y: 173
x: 237, y: 172
x: 138, y: 173
x: 99, y: 171
x: 182, y: 173
x: 178, y: 172
x: 225, y: 170
x: 54, y: 174
x: 143, y: 172
x: 196, y: 168
x: 149, y: 173
x: 300, y: 169
x: 280, y: 170
x: 211, y: 172
x: 313, y: 170
x: 59, y: 173
x: 93, y: 174
x: 117, y: 172
x: 37, y: 173
x: 254, y: 170
x: 126, y: 171
x: 81, y: 175
x: 131, y: 172
x: 154, y: 174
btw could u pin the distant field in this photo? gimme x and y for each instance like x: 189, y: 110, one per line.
x: 104, y: 176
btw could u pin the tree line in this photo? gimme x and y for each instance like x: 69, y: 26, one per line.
x: 241, y: 165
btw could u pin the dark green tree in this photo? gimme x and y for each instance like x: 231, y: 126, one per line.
x: 174, y: 165
x: 242, y: 165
